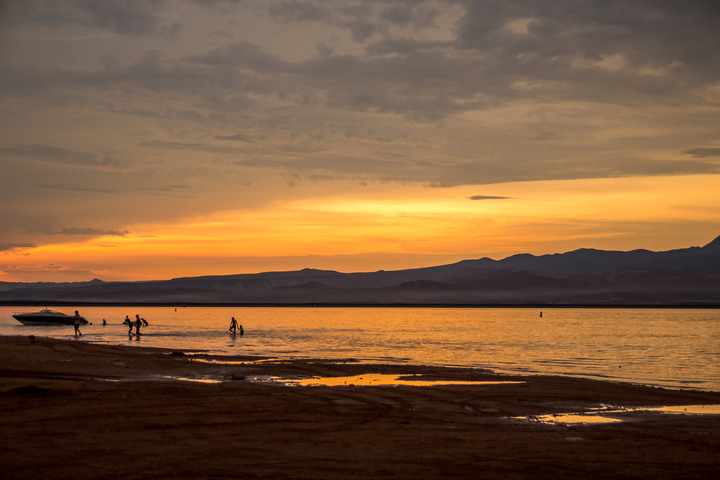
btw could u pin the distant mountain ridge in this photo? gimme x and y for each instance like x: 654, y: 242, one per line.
x: 689, y: 276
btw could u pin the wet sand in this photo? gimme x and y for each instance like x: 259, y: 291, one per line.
x: 77, y: 410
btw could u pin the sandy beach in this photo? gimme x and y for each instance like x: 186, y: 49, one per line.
x: 78, y: 410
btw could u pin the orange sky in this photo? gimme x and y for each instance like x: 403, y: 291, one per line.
x: 421, y: 228
x: 151, y: 140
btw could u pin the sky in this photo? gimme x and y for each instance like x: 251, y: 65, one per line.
x: 151, y: 139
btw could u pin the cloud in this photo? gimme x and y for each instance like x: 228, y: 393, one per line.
x: 202, y: 147
x: 136, y: 17
x: 560, y: 54
x: 298, y: 11
x: 238, y: 136
x: 418, y: 14
x: 89, y: 232
x: 406, y: 46
x: 71, y: 188
x: 436, y: 93
x: 170, y: 191
x: 8, y: 246
x: 645, y: 48
x: 52, y: 154
x: 241, y: 54
x: 488, y: 197
x: 81, y: 231
x: 703, y: 152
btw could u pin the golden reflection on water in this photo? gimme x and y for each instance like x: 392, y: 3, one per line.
x: 381, y: 379
x: 204, y: 379
x: 574, y: 419
x: 613, y: 415
x: 689, y: 409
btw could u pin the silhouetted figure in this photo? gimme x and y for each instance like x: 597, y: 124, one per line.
x: 138, y: 324
x: 234, y: 326
x: 240, y: 329
x: 104, y: 322
x: 144, y: 322
x: 76, y: 323
x: 129, y: 324
x: 540, y: 314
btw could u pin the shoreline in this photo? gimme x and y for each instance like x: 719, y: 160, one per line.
x: 58, y: 303
x: 123, y: 410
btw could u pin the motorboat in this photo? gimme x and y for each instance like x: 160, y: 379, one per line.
x: 48, y: 317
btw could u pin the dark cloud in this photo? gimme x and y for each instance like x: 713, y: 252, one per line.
x: 552, y: 39
x: 405, y: 46
x: 237, y: 137
x: 488, y: 197
x: 4, y: 247
x: 363, y: 18
x: 609, y: 52
x: 72, y: 188
x: 242, y: 55
x: 202, y: 147
x: 703, y: 152
x: 57, y: 155
x: 299, y: 11
x: 139, y: 17
x: 170, y: 191
x: 89, y: 232
x: 361, y: 29
x: 629, y: 55
x: 417, y: 14
x: 173, y: 187
x: 73, y: 231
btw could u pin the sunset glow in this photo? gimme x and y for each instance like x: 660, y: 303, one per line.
x: 437, y: 225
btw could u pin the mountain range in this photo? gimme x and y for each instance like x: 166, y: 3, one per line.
x: 684, y: 277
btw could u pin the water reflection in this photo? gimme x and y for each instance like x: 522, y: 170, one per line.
x: 616, y: 414
x: 672, y: 348
x: 203, y: 379
x: 374, y: 379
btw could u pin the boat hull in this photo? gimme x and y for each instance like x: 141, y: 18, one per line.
x: 47, y: 318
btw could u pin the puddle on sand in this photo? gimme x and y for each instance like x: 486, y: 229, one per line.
x: 373, y: 380
x: 191, y: 379
x: 572, y: 419
x: 213, y: 361
x: 688, y: 409
x: 615, y: 415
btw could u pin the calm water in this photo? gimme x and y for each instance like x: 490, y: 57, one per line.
x: 668, y: 347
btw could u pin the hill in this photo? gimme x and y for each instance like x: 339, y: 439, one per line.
x: 689, y: 276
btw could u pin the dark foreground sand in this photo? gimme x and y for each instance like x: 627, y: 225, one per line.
x: 76, y: 410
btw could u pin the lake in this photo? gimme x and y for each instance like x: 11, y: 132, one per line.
x: 677, y: 348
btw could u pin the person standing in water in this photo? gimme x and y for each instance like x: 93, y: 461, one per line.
x: 129, y: 324
x: 234, y: 326
x: 138, y: 324
x: 76, y: 324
